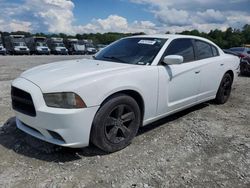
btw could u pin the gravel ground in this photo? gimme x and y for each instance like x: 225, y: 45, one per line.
x: 205, y: 146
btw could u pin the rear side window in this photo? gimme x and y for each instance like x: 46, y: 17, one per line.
x: 182, y: 47
x: 204, y: 50
x: 215, y: 51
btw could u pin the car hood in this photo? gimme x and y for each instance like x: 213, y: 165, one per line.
x: 61, y: 74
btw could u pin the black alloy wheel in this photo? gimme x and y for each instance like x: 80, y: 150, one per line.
x: 116, y: 123
x: 224, y: 90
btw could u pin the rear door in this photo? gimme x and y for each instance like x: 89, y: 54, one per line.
x: 211, y: 69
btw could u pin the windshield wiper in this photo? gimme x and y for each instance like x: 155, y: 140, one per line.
x: 114, y: 58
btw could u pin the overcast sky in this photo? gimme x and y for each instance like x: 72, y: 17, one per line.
x: 149, y: 16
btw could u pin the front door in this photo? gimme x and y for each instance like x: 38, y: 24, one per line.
x: 179, y: 84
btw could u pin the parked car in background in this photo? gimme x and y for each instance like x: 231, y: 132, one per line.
x: 75, y: 46
x: 2, y: 49
x: 37, y: 45
x: 244, y: 54
x: 57, y: 46
x: 89, y: 47
x: 228, y: 51
x: 131, y: 83
x: 15, y: 44
x: 101, y: 46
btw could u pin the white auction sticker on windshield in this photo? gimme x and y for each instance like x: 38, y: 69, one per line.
x: 148, y: 42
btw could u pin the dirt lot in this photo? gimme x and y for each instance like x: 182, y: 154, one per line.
x: 205, y: 146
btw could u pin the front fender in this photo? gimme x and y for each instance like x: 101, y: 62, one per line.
x: 142, y: 81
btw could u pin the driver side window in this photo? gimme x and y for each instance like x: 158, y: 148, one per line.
x: 182, y: 47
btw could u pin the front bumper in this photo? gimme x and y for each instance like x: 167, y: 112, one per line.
x: 22, y: 52
x: 77, y: 52
x: 64, y: 127
x: 42, y: 52
x: 2, y: 52
x: 60, y: 52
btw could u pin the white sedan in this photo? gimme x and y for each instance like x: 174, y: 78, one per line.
x: 131, y: 83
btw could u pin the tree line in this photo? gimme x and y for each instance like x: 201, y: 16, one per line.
x: 225, y: 39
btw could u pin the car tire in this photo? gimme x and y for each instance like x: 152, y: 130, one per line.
x: 224, y: 90
x: 116, y: 123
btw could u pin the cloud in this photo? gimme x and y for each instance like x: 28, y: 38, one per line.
x: 179, y: 15
x: 54, y: 15
x: 172, y: 17
x: 115, y: 23
x: 15, y: 25
x: 57, y: 16
x: 212, y: 16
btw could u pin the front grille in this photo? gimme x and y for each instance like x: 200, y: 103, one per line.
x: 63, y: 50
x: 22, y: 102
x: 24, y: 49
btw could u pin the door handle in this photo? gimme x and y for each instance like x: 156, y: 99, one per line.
x: 197, y: 72
x: 221, y: 64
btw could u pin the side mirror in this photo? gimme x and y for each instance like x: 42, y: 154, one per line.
x: 173, y: 59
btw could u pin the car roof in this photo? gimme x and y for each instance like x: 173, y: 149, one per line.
x: 167, y: 36
x: 173, y: 36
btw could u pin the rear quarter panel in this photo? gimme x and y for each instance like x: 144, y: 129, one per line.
x: 232, y: 63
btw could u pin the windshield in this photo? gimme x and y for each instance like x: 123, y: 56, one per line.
x: 80, y: 42
x: 89, y: 45
x: 140, y: 51
x: 19, y: 44
x: 73, y: 42
x: 59, y: 44
x: 41, y: 44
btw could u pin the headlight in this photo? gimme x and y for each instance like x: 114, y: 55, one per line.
x: 67, y: 100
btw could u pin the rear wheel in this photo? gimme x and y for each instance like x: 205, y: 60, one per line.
x: 116, y: 123
x: 224, y: 90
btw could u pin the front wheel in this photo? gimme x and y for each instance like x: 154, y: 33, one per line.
x: 116, y: 123
x: 224, y: 90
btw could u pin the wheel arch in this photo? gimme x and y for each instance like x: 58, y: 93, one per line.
x: 231, y: 73
x: 132, y: 93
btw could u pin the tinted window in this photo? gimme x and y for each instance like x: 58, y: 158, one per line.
x: 182, y: 47
x: 215, y: 51
x: 204, y: 50
x: 135, y: 50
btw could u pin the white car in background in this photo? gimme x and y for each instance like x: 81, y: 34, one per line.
x: 131, y: 83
